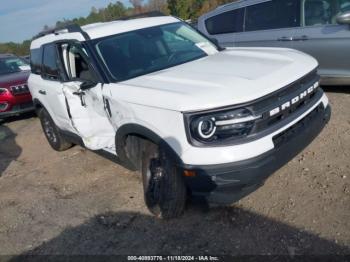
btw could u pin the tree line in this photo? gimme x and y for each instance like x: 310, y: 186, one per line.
x: 185, y: 9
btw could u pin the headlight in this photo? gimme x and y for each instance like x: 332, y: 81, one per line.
x: 216, y: 127
x: 206, y: 128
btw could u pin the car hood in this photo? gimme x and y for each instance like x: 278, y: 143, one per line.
x: 230, y: 77
x: 14, y: 78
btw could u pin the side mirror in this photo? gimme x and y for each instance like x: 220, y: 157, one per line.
x: 343, y: 18
x: 215, y: 41
x: 87, y: 84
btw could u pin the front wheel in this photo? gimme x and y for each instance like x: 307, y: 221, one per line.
x: 53, y: 136
x: 164, y: 188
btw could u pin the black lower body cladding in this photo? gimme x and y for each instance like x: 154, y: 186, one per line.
x: 227, y: 183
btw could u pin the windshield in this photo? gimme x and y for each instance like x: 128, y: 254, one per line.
x: 10, y: 65
x: 140, y: 52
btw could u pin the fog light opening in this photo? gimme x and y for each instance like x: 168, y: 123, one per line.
x: 3, y: 106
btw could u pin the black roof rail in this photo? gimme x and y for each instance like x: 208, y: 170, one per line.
x: 143, y: 15
x: 71, y: 28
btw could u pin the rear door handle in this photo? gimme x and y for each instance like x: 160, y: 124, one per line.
x: 301, y: 38
x: 285, y: 38
x: 42, y: 92
x: 81, y: 95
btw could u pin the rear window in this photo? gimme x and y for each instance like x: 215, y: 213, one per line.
x: 273, y: 15
x: 35, y: 60
x: 228, y: 22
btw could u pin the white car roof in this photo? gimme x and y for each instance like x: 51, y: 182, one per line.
x: 99, y: 30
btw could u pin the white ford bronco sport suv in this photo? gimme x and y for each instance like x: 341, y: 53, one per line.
x: 163, y: 99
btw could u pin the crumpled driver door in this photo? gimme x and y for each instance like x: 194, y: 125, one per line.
x: 88, y: 116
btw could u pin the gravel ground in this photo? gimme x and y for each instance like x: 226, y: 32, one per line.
x: 77, y: 202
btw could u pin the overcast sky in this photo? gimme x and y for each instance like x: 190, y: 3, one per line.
x: 22, y: 19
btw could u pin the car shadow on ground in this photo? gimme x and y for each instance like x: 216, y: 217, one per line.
x: 23, y: 116
x: 222, y: 231
x: 9, y: 150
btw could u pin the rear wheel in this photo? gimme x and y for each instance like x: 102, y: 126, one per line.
x: 164, y: 187
x: 53, y: 136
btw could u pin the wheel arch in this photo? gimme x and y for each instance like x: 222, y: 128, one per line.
x: 37, y: 105
x: 144, y: 134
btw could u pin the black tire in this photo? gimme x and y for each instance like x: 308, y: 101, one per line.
x: 164, y: 187
x: 51, y: 131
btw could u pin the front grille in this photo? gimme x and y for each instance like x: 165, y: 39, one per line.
x: 26, y: 105
x: 297, y: 128
x: 23, y: 106
x: 19, y: 89
x: 285, y: 96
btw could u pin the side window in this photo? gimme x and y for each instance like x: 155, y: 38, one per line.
x: 228, y: 22
x: 36, y: 56
x: 274, y: 14
x: 75, y: 61
x: 324, y: 12
x: 50, y: 68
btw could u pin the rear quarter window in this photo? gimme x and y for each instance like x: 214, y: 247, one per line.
x: 50, y: 69
x: 35, y: 60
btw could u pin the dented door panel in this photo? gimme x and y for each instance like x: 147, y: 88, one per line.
x: 89, y: 117
x: 119, y: 111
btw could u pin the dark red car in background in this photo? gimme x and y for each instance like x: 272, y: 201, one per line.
x: 15, y: 97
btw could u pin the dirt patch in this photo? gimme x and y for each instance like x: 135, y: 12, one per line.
x: 77, y: 202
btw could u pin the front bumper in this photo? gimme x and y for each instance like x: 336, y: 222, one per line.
x: 18, y: 109
x: 227, y: 183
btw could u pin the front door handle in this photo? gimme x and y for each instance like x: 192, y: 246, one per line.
x: 285, y: 38
x: 301, y: 38
x: 42, y: 92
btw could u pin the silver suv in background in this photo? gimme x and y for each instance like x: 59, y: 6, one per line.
x: 320, y: 28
